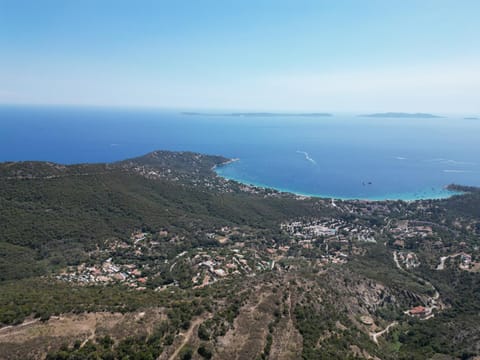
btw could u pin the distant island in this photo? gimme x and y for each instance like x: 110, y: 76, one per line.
x: 402, y: 115
x: 471, y: 118
x: 257, y: 114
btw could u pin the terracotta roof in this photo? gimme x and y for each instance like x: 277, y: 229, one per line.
x: 417, y: 310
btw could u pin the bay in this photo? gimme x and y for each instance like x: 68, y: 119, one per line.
x: 342, y: 156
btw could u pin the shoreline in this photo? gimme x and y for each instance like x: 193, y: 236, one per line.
x: 225, y: 163
x: 444, y: 193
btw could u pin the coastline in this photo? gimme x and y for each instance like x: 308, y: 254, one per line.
x: 440, y: 194
x: 225, y: 163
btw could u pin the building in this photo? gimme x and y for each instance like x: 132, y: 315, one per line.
x: 419, y: 311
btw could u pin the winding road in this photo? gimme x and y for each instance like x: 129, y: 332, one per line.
x: 434, y: 301
x: 375, y: 335
x: 441, y: 266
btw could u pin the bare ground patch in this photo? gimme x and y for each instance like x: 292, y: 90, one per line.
x: 247, y: 338
x: 35, y: 339
x: 287, y: 340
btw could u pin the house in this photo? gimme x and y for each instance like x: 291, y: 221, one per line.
x: 399, y: 243
x: 119, y: 276
x: 424, y: 229
x: 466, y: 259
x: 136, y: 272
x: 220, y: 272
x: 419, y: 311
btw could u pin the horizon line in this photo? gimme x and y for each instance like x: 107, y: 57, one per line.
x: 230, y: 110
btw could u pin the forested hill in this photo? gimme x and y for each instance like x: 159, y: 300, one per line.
x: 181, y: 162
x: 51, y: 215
x: 165, y: 163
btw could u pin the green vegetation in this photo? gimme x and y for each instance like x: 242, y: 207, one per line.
x: 166, y: 234
x: 59, y: 220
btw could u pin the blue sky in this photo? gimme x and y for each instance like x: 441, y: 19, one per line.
x: 338, y: 55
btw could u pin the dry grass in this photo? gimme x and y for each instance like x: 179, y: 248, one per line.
x: 36, y: 339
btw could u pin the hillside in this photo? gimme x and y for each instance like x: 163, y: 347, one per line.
x: 157, y: 257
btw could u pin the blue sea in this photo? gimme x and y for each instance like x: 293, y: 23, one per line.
x: 343, y: 156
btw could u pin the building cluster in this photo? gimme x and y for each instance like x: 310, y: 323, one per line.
x: 311, y: 229
x: 329, y: 229
x: 466, y: 263
x: 243, y: 251
x: 364, y: 207
x: 108, y: 271
x: 104, y: 273
x: 408, y: 259
x: 211, y: 266
x: 405, y: 229
x: 335, y: 237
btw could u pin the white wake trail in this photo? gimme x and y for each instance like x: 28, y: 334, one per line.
x: 307, y: 156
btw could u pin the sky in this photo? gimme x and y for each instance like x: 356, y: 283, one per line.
x: 275, y: 55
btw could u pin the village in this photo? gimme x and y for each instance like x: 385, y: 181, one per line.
x: 152, y: 260
x: 105, y: 273
x: 207, y: 265
x: 235, y: 251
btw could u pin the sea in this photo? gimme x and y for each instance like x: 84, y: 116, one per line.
x: 343, y: 156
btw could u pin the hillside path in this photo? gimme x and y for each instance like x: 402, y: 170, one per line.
x: 375, y: 335
x: 186, y: 337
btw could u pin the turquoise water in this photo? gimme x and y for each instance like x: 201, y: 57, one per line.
x: 343, y: 156
x: 231, y: 172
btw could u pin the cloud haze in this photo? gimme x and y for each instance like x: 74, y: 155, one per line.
x: 348, y: 56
